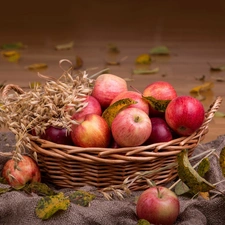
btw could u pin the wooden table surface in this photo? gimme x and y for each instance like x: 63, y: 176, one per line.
x: 194, y: 31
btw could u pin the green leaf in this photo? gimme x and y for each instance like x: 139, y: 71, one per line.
x: 113, y: 48
x: 48, y: 206
x: 159, y: 50
x: 81, y: 198
x: 203, y: 167
x: 65, y: 46
x: 219, y: 114
x: 181, y: 188
x: 159, y: 105
x: 222, y: 161
x: 16, y: 45
x: 143, y: 222
x: 190, y: 176
x: 145, y: 72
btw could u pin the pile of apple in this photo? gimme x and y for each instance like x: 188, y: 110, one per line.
x: 134, y: 125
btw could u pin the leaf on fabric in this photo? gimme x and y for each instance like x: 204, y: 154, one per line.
x: 37, y: 66
x: 10, y: 46
x: 39, y: 188
x: 81, y: 198
x: 204, y: 87
x: 219, y: 114
x: 11, y: 56
x: 181, y: 188
x: 49, y: 205
x: 78, y: 63
x: 203, y: 167
x: 143, y: 222
x: 64, y: 46
x: 4, y: 190
x: 145, y: 72
x: 222, y: 161
x: 110, y: 113
x: 160, y: 50
x: 143, y: 59
x: 190, y: 176
x: 204, y: 195
x: 159, y: 105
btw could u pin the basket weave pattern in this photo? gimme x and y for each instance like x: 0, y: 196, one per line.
x: 73, y: 167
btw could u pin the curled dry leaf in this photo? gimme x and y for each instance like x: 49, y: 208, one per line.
x: 204, y: 87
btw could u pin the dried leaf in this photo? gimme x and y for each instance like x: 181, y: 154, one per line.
x: 190, y: 176
x: 181, y: 188
x: 217, y: 68
x: 37, y: 66
x: 110, y: 113
x: 204, y: 195
x: 34, y: 84
x: 79, y: 63
x: 204, y: 87
x: 159, y: 105
x: 159, y: 50
x: 16, y: 45
x: 222, y: 161
x: 143, y: 59
x: 143, y: 72
x: 116, y: 63
x: 219, y: 114
x: 4, y: 190
x: 65, y: 46
x: 113, y: 48
x: 49, y: 205
x: 81, y: 198
x: 143, y: 222
x: 11, y: 56
x: 203, y: 167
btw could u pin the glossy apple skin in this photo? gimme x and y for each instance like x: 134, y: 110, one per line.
x: 185, y: 114
x: 57, y: 135
x: 160, y: 90
x: 93, y: 106
x: 158, y: 209
x: 131, y: 127
x: 107, y: 87
x: 93, y: 131
x: 161, y: 132
x: 141, y: 103
x: 26, y: 171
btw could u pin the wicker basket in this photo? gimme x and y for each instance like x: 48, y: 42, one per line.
x: 73, y: 167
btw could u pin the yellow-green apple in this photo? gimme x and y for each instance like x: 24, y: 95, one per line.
x: 185, y: 115
x: 93, y: 106
x: 161, y: 132
x: 107, y: 87
x: 93, y: 131
x: 131, y: 127
x: 160, y: 90
x: 141, y: 103
x: 158, y: 205
x: 17, y: 174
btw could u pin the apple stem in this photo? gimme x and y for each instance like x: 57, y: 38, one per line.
x: 159, y: 193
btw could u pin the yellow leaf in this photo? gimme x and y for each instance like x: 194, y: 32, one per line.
x: 65, y: 46
x: 222, y: 161
x: 12, y: 56
x: 159, y: 105
x: 143, y: 59
x: 37, y: 66
x: 110, y: 113
x: 204, y: 87
x: 205, y: 195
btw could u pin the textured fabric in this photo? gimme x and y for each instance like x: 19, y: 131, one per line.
x: 19, y: 207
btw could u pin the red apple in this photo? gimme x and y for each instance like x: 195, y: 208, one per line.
x: 158, y: 205
x: 93, y: 131
x: 161, y: 132
x: 26, y: 171
x: 185, y: 114
x: 131, y: 127
x: 107, y: 87
x: 93, y: 106
x: 57, y: 135
x: 160, y: 90
x: 141, y: 103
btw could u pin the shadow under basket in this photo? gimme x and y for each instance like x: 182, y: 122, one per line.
x: 73, y: 167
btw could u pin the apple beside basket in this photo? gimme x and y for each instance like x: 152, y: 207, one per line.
x: 73, y: 167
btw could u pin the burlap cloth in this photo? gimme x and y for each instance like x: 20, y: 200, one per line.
x: 19, y: 208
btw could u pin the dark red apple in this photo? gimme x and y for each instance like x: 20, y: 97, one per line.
x: 93, y: 131
x: 185, y: 115
x: 161, y: 132
x: 160, y: 90
x: 158, y: 205
x: 26, y: 171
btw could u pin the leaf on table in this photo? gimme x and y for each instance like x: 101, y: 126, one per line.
x: 64, y: 46
x: 190, y: 176
x: 143, y: 222
x: 49, y: 205
x: 202, y: 78
x: 160, y: 50
x: 203, y: 167
x: 217, y: 68
x: 10, y: 46
x: 11, y: 56
x: 145, y: 72
x: 39, y: 189
x: 110, y: 113
x: 159, y: 105
x: 204, y: 87
x: 143, y: 59
x: 113, y: 48
x: 34, y: 84
x: 116, y: 63
x: 219, y: 114
x: 222, y: 161
x: 37, y: 66
x: 82, y: 198
x: 78, y: 63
